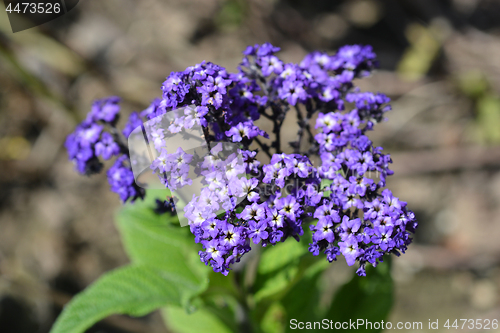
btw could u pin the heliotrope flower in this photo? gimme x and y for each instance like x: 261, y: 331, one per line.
x: 105, y: 110
x: 107, y: 147
x: 245, y: 201
x: 121, y: 179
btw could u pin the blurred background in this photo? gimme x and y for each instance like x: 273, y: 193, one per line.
x: 439, y: 62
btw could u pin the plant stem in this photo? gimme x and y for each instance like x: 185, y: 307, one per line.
x: 296, y: 144
x: 246, y: 325
x: 303, y: 125
x: 265, y: 148
x: 278, y: 117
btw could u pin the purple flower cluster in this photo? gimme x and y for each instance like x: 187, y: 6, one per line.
x: 105, y: 110
x: 221, y: 101
x: 176, y: 165
x: 319, y: 76
x: 342, y: 200
x: 379, y: 224
x: 122, y: 181
x: 355, y: 220
x: 226, y: 237
x: 81, y: 147
x: 97, y: 137
x: 89, y: 140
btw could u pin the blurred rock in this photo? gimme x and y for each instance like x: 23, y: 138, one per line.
x: 484, y: 295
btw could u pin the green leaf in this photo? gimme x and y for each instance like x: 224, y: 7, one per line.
x: 133, y: 290
x: 302, y: 301
x: 222, y: 285
x: 274, y: 319
x: 369, y: 298
x: 278, y: 268
x: 218, y: 314
x: 203, y: 320
x: 281, y: 255
x: 274, y: 283
x: 325, y: 183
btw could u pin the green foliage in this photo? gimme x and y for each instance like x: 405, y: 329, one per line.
x: 279, y: 268
x: 134, y: 290
x: 302, y: 302
x: 325, y: 183
x: 281, y: 255
x: 163, y: 271
x: 231, y: 14
x: 274, y: 319
x: 425, y: 43
x: 475, y: 85
x: 271, y: 284
x: 286, y: 285
x: 159, y: 241
x: 205, y: 319
x: 369, y: 298
x: 166, y: 273
x: 488, y: 118
x: 217, y: 309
